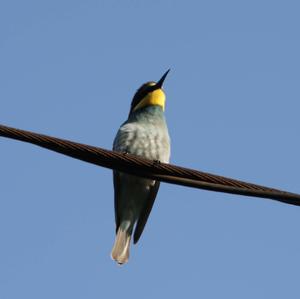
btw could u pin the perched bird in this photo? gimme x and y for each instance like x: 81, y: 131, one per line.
x: 144, y: 134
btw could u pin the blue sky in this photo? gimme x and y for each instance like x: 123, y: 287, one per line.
x: 70, y: 68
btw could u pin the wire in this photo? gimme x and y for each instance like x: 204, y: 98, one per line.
x: 147, y: 168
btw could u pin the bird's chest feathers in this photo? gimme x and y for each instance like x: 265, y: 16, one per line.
x: 150, y: 141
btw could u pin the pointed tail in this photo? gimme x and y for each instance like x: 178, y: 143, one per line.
x: 120, y: 251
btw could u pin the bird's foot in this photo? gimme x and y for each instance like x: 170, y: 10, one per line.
x: 156, y: 162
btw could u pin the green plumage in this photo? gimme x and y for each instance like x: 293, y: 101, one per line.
x: 144, y: 134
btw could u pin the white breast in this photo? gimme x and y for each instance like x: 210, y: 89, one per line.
x: 149, y: 141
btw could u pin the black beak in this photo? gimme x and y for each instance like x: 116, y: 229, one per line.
x: 162, y: 79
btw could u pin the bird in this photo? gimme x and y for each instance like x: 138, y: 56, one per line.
x: 145, y: 134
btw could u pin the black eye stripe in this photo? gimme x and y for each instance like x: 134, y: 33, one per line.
x: 141, y: 93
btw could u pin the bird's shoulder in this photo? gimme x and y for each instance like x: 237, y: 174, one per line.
x: 126, y: 133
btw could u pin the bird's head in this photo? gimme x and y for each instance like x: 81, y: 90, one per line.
x: 149, y: 94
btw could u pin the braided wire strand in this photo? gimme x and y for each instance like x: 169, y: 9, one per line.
x: 147, y: 168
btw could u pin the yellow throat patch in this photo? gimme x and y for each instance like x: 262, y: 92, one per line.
x: 156, y: 97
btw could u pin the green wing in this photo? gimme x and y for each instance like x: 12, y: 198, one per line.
x: 145, y: 212
x: 117, y: 187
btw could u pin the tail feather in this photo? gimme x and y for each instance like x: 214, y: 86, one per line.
x: 120, y: 251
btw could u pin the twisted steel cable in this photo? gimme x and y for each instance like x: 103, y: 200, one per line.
x: 149, y: 169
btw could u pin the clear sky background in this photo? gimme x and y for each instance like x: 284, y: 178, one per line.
x: 70, y: 68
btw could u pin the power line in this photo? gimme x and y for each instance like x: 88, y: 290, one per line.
x: 149, y: 169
